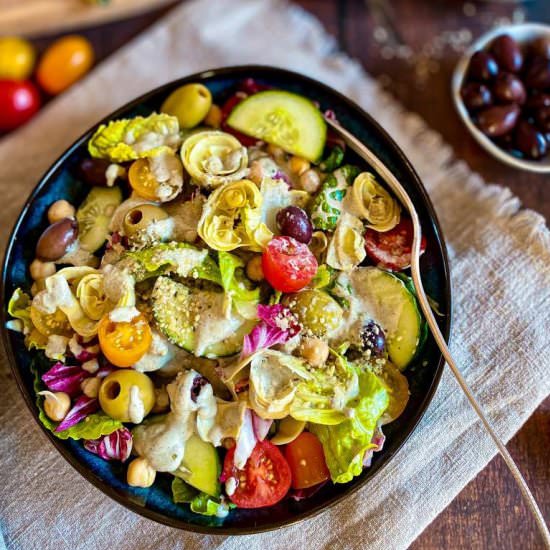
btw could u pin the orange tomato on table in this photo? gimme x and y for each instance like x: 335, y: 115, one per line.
x: 64, y: 62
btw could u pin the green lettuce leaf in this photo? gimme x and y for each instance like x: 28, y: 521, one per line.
x: 333, y: 161
x: 130, y: 139
x: 345, y: 444
x: 200, y: 503
x: 19, y: 307
x: 93, y: 426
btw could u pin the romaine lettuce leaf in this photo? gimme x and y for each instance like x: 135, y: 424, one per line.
x: 345, y: 444
x: 19, y: 308
x: 130, y: 139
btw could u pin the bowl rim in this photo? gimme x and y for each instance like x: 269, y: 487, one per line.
x: 459, y: 74
x: 88, y: 474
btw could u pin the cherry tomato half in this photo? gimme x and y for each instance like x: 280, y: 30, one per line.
x: 124, y: 343
x: 16, y: 58
x: 265, y: 479
x: 64, y: 62
x: 19, y: 101
x: 306, y: 459
x: 288, y: 264
x: 142, y: 180
x: 392, y: 249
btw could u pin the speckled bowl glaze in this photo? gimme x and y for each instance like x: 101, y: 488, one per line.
x: 156, y: 503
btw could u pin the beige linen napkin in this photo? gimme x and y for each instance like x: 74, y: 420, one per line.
x: 500, y: 258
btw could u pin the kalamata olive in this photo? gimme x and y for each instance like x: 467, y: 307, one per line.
x: 543, y: 119
x: 476, y: 95
x: 293, y: 222
x: 537, y: 74
x: 373, y: 338
x: 537, y: 101
x: 508, y: 88
x: 541, y: 47
x: 482, y: 66
x: 529, y: 140
x: 56, y: 239
x: 92, y: 171
x: 498, y: 120
x: 507, y: 53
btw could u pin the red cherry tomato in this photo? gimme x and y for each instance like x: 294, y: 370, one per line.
x: 265, y: 479
x: 19, y: 100
x: 227, y: 107
x: 288, y: 264
x: 306, y: 459
x: 392, y: 249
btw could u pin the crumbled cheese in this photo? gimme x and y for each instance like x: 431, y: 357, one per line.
x: 56, y: 347
x: 91, y: 366
x: 74, y: 346
x: 231, y: 486
x: 136, y: 408
x: 58, y: 294
x: 113, y: 172
x: 123, y: 314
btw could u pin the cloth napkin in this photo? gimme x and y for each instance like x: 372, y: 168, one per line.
x: 500, y: 258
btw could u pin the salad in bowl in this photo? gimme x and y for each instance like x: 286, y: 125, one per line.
x: 229, y: 307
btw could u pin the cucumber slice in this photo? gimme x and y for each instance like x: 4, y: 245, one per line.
x: 394, y: 308
x: 94, y: 215
x: 194, y: 319
x: 282, y: 118
x: 201, y: 466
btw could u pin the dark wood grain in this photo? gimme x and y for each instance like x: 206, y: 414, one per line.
x: 489, y: 512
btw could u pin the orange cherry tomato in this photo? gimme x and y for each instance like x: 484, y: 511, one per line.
x: 124, y: 343
x: 64, y: 62
x: 142, y: 180
x: 306, y: 459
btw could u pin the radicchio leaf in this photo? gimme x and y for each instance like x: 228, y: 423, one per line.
x: 378, y: 439
x: 115, y: 446
x: 82, y: 407
x: 261, y: 426
x: 65, y: 378
x: 301, y: 494
x: 246, y: 441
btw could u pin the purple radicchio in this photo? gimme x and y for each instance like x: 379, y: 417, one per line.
x: 261, y: 426
x: 82, y: 407
x: 115, y: 446
x: 378, y: 439
x: 280, y: 175
x: 65, y: 378
x: 277, y: 325
x: 301, y: 494
x: 83, y: 351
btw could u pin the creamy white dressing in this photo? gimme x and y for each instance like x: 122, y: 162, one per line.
x: 136, y: 407
x: 113, y: 172
x: 231, y: 486
x: 123, y: 314
x: 57, y: 295
x: 56, y: 347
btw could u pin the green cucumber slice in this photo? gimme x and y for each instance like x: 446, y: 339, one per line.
x: 194, y: 319
x: 201, y: 466
x: 394, y: 308
x: 282, y: 118
x: 94, y: 216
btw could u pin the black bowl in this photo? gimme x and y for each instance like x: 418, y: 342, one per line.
x: 155, y: 503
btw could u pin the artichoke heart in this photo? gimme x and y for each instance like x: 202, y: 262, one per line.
x: 92, y: 297
x: 346, y: 249
x: 368, y: 200
x: 232, y: 218
x: 213, y: 158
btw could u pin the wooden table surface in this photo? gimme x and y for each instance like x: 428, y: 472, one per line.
x: 489, y: 512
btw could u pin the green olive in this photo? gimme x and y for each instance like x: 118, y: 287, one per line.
x: 140, y: 217
x: 190, y: 104
x: 115, y: 390
x: 316, y: 311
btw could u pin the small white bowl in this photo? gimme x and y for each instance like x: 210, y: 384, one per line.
x: 523, y: 34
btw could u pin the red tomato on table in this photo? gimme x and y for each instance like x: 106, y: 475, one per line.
x: 306, y: 459
x: 288, y: 264
x: 19, y: 101
x: 265, y: 479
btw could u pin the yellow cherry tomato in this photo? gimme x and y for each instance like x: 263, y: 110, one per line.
x: 16, y: 58
x: 116, y: 390
x: 124, y: 343
x: 189, y: 103
x: 50, y: 323
x: 142, y: 180
x: 64, y: 62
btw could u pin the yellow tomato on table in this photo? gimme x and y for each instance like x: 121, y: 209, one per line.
x: 16, y: 58
x: 64, y: 62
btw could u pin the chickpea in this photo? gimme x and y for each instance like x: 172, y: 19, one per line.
x: 162, y: 400
x: 314, y: 351
x: 254, y: 269
x: 214, y: 117
x: 41, y: 270
x: 298, y: 165
x: 276, y: 152
x: 56, y: 404
x: 256, y: 173
x: 59, y: 210
x: 140, y: 473
x: 90, y: 387
x: 310, y: 181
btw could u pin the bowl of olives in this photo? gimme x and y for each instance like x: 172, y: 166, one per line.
x: 501, y: 89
